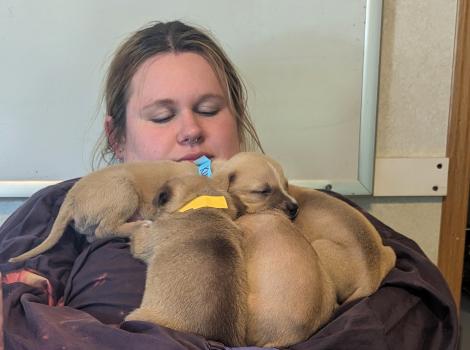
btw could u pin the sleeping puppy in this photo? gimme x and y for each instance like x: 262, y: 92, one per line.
x: 290, y: 295
x: 258, y: 181
x: 196, y: 278
x: 348, y: 245
x: 100, y: 202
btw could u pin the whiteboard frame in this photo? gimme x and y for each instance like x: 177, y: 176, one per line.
x: 363, y: 184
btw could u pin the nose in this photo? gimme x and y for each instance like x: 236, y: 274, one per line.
x: 292, y: 209
x: 190, y: 132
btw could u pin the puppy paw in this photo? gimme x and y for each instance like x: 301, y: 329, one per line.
x: 146, y: 223
x: 127, y: 229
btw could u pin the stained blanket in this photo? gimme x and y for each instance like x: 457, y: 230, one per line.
x: 77, y: 294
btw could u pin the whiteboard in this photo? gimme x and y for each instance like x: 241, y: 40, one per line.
x: 310, y: 67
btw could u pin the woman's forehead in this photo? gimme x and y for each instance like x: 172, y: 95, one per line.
x: 174, y: 75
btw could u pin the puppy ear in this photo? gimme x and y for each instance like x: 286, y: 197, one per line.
x: 239, y: 206
x: 224, y: 180
x: 231, y: 178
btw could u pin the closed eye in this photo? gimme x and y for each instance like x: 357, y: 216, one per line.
x: 264, y: 191
x: 160, y: 111
x: 209, y: 105
x: 208, y: 113
x: 162, y: 198
x: 162, y: 119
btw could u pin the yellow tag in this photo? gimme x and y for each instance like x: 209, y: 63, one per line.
x: 206, y: 202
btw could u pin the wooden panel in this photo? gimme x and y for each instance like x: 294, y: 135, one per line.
x: 454, y: 209
x: 410, y: 176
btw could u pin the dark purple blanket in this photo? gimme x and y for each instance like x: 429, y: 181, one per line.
x: 76, y: 295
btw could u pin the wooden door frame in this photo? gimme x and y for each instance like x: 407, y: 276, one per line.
x: 455, y: 204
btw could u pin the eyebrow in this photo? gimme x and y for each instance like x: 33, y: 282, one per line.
x: 206, y: 97
x: 166, y: 103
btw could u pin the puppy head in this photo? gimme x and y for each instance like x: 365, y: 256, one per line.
x: 258, y: 181
x: 179, y: 191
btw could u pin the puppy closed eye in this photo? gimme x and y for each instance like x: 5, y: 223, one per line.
x: 267, y: 190
x: 162, y: 198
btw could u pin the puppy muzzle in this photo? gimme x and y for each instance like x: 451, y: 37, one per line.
x: 291, y: 209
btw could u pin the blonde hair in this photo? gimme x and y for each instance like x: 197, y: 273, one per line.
x: 169, y: 37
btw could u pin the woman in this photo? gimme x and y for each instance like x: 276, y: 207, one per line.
x: 171, y: 93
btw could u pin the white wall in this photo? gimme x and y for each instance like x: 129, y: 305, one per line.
x: 303, y: 63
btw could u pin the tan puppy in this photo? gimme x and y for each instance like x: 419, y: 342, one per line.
x: 289, y: 293
x: 196, y: 279
x: 105, y: 199
x: 348, y: 245
x: 258, y: 181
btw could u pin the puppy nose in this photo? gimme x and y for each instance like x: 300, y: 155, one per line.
x: 292, y: 210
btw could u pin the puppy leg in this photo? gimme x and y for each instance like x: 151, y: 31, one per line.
x: 142, y: 239
x: 127, y: 229
x: 140, y: 234
x: 142, y: 314
x: 113, y: 216
x: 350, y: 281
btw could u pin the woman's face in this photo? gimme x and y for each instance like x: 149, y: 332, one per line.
x: 177, y: 110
